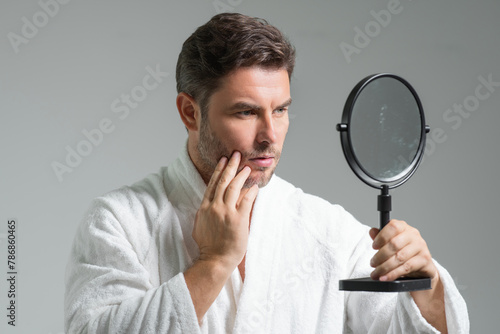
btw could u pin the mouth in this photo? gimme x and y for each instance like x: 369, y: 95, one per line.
x: 263, y: 161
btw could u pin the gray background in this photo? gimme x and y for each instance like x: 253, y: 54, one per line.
x: 64, y: 78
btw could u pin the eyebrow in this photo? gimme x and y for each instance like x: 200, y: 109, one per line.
x: 249, y: 106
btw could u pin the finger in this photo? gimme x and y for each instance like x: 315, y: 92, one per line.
x: 243, y: 192
x: 227, y: 175
x: 393, y: 228
x: 412, y: 268
x: 373, y: 232
x: 391, y: 249
x: 234, y: 188
x: 420, y: 265
x: 212, y: 184
x: 246, y: 202
x: 397, y: 260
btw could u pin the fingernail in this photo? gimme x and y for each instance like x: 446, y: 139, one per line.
x: 371, y: 262
x: 236, y: 154
x: 383, y: 278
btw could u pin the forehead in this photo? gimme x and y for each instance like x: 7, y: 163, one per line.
x: 254, y: 83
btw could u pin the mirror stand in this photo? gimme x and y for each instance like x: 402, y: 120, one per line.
x: 402, y: 284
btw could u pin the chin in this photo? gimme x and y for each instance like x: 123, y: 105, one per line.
x: 260, y: 180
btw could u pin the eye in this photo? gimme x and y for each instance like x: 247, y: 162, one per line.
x: 246, y: 113
x: 281, y: 110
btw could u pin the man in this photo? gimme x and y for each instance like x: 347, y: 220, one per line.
x: 215, y: 243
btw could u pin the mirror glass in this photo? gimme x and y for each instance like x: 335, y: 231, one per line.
x: 385, y: 128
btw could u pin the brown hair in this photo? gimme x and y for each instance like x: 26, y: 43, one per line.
x: 225, y: 43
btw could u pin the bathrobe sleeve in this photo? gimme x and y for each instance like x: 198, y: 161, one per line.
x: 372, y: 312
x: 112, y: 280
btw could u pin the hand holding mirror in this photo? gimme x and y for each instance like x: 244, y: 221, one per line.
x: 383, y: 138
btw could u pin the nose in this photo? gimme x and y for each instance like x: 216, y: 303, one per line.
x: 266, y: 132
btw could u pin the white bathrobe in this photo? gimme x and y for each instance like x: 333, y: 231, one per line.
x: 125, y: 272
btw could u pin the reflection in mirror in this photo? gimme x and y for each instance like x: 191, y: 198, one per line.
x: 385, y: 128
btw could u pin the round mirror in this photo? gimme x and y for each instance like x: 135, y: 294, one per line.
x: 383, y: 130
x: 383, y: 137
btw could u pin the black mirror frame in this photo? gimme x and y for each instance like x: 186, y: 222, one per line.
x: 345, y: 139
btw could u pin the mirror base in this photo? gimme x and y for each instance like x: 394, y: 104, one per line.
x: 402, y: 284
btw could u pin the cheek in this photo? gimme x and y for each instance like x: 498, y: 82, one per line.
x: 283, y: 130
x: 242, y: 139
x: 235, y: 137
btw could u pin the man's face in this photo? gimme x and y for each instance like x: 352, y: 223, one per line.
x: 249, y: 114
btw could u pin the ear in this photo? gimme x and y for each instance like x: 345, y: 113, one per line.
x: 189, y: 111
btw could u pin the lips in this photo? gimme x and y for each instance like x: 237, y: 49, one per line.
x: 264, y: 161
